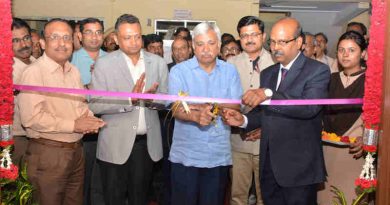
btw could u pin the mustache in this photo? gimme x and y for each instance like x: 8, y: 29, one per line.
x: 228, y: 55
x: 26, y: 48
x: 206, y: 54
x: 250, y: 43
x: 277, y: 53
x: 61, y: 48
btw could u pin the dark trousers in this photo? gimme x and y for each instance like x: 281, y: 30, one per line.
x: 128, y: 183
x: 56, y: 173
x: 198, y: 186
x: 167, y: 123
x: 274, y: 194
x: 93, y: 189
x: 20, y: 147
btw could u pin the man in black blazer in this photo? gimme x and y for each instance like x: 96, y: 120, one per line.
x: 291, y: 158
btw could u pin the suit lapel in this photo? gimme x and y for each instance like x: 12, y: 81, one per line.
x: 148, y: 71
x: 274, y: 76
x: 124, y: 69
x: 292, y: 73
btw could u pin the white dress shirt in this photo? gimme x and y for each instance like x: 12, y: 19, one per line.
x: 136, y: 72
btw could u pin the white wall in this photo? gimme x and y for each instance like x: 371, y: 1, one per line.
x: 225, y: 12
x: 320, y: 22
x: 315, y: 22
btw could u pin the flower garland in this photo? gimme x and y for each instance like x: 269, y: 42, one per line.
x: 333, y: 137
x: 6, y: 61
x: 372, y: 99
x: 8, y: 171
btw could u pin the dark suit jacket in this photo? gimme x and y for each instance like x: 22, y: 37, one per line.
x: 293, y: 133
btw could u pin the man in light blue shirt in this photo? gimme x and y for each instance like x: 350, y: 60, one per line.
x: 91, y: 36
x: 201, y: 153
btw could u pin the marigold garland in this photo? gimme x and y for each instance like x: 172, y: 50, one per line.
x: 330, y: 136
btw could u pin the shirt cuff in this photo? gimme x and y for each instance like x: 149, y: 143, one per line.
x: 130, y: 102
x: 245, y: 124
x: 67, y: 126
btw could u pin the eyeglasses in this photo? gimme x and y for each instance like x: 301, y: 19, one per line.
x: 66, y: 38
x: 90, y: 33
x: 24, y: 39
x: 230, y: 50
x: 281, y: 42
x: 247, y: 35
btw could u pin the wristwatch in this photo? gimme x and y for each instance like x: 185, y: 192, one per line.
x: 268, y: 92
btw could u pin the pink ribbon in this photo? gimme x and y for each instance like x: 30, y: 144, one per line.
x: 186, y: 98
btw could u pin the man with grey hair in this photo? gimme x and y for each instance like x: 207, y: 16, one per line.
x: 309, y: 46
x: 200, y: 153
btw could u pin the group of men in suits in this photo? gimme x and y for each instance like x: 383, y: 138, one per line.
x: 130, y: 136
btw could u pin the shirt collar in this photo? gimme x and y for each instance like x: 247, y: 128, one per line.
x: 291, y: 63
x: 18, y: 61
x: 141, y: 56
x: 194, y: 64
x: 84, y: 52
x: 54, y: 66
x: 261, y: 54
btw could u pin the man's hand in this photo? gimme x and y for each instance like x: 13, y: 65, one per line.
x: 253, y: 135
x: 232, y: 117
x: 356, y: 148
x: 138, y: 87
x: 254, y: 97
x: 88, y: 124
x: 204, y: 116
x: 151, y: 90
x: 199, y: 113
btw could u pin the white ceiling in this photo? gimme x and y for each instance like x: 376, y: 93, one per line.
x: 344, y: 10
x: 312, y: 5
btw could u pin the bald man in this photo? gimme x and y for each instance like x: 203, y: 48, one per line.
x: 291, y: 158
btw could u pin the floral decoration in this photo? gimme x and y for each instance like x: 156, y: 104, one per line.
x: 372, y: 100
x: 330, y: 136
x: 8, y: 171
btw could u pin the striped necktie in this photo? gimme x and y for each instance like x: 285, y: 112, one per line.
x: 284, y: 73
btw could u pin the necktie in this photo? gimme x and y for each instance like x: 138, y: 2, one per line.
x: 254, y: 64
x: 284, y: 73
